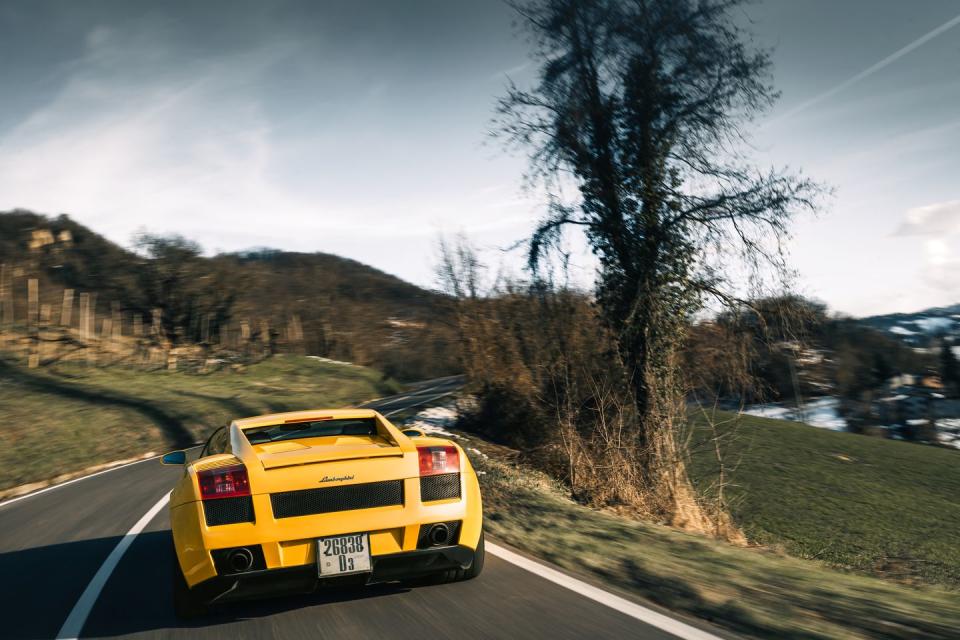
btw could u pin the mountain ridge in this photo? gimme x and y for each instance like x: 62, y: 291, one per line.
x: 349, y: 311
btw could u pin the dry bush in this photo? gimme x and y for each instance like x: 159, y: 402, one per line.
x: 549, y: 382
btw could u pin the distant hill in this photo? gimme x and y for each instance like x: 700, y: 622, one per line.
x: 921, y: 329
x: 347, y: 310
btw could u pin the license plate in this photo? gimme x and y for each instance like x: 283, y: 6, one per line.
x: 341, y: 555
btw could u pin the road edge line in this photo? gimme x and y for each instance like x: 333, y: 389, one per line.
x: 73, y: 625
x: 89, y: 475
x: 639, y: 612
x: 77, y: 479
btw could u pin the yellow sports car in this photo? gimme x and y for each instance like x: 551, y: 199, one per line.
x: 292, y: 501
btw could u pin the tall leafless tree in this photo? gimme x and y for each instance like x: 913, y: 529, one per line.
x: 642, y: 106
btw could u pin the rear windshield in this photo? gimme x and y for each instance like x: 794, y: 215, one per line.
x: 315, y: 429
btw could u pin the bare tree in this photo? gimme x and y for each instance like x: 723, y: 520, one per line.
x: 642, y: 106
x: 175, y: 279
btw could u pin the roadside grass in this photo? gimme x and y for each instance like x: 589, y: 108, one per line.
x: 883, y: 507
x: 753, y: 591
x: 61, y: 420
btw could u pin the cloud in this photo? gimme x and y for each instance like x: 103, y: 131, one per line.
x: 136, y: 138
x: 939, y: 225
x: 944, y: 275
x: 511, y: 71
x: 940, y: 219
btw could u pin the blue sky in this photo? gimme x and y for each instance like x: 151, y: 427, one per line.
x: 360, y: 128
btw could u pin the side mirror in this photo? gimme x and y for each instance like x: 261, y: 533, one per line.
x: 413, y: 433
x: 174, y: 457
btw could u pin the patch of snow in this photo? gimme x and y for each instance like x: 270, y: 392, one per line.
x: 896, y: 398
x: 949, y: 424
x: 477, y: 452
x: 773, y: 411
x: 956, y: 351
x: 329, y: 361
x: 434, y: 421
x: 820, y: 412
x: 932, y: 325
x: 948, y: 431
x: 903, y: 331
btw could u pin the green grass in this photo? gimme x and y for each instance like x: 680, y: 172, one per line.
x: 64, y: 419
x: 755, y: 592
x: 883, y: 507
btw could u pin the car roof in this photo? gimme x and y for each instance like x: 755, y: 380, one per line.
x: 303, y: 416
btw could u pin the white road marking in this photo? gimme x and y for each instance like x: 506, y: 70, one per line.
x: 78, y: 616
x: 63, y: 484
x: 417, y: 404
x: 632, y: 609
x: 410, y: 394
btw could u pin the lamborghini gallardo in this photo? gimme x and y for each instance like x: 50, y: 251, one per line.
x: 293, y: 502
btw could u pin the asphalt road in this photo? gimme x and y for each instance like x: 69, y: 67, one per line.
x: 52, y: 545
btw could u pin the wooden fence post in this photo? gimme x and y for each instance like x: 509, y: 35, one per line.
x: 84, y: 312
x: 33, y: 322
x: 5, y: 311
x: 66, y: 309
x: 3, y: 305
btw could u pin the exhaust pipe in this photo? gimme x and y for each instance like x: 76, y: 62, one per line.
x: 439, y: 534
x: 240, y: 560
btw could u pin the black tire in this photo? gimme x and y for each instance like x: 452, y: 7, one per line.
x: 186, y: 605
x: 477, y: 567
x: 471, y: 572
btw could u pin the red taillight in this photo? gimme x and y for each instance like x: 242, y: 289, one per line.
x: 435, y: 460
x: 225, y: 482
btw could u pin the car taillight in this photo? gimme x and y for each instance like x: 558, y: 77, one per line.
x: 225, y: 482
x: 436, y: 460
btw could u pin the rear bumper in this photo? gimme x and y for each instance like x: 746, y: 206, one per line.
x: 305, y: 578
x: 291, y: 542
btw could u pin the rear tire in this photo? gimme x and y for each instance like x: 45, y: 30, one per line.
x: 186, y: 605
x: 477, y: 567
x: 471, y: 572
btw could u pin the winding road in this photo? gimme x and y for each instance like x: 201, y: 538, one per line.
x: 91, y: 558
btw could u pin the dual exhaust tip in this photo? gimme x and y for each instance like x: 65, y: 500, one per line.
x: 439, y: 535
x: 240, y: 560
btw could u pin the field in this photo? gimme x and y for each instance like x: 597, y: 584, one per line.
x: 883, y: 507
x: 759, y: 591
x: 64, y: 419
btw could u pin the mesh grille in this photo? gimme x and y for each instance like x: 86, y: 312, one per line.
x: 328, y: 500
x: 228, y: 510
x: 440, y: 487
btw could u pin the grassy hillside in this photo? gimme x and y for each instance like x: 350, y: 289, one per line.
x: 880, y: 506
x: 62, y: 419
x: 756, y: 592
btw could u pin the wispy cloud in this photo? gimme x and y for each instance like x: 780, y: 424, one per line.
x: 866, y: 73
x: 168, y: 147
x: 939, y: 220
x: 512, y: 71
